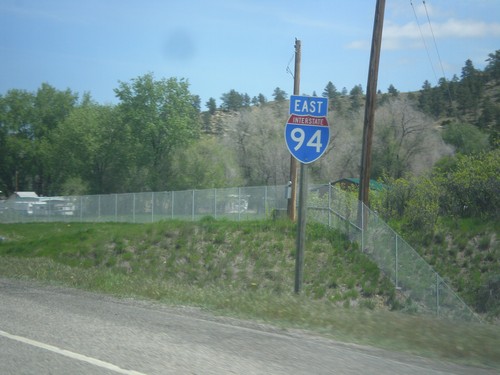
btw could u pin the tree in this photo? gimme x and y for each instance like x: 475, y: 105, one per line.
x: 207, y: 163
x: 197, y: 102
x: 52, y: 107
x: 470, y: 187
x: 279, y: 95
x: 466, y: 138
x: 27, y: 123
x: 258, y: 145
x: 470, y: 90
x: 93, y: 148
x: 16, y: 134
x: 333, y: 96
x: 404, y: 141
x: 356, y: 98
x: 392, y: 90
x: 493, y: 67
x: 162, y: 119
x: 246, y: 100
x: 211, y: 105
x: 330, y: 91
x: 425, y: 97
x: 233, y: 101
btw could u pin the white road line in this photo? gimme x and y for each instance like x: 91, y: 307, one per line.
x: 70, y: 354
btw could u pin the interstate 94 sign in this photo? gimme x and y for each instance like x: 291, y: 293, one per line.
x: 307, y: 133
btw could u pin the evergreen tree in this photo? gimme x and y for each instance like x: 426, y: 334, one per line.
x: 469, y: 93
x: 356, y: 98
x: 425, y: 97
x: 493, y: 67
x: 211, y: 105
x: 262, y: 99
x: 279, y: 95
x: 246, y: 100
x: 333, y: 96
x: 330, y: 91
x: 233, y: 101
x: 392, y: 91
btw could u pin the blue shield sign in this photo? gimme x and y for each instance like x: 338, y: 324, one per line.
x: 307, y: 133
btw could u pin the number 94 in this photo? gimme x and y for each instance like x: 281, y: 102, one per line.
x: 298, y: 135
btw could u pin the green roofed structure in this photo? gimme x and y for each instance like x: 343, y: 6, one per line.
x: 347, y: 182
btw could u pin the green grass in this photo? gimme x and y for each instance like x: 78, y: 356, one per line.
x: 467, y: 252
x: 242, y: 269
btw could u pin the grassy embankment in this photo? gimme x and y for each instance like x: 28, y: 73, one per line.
x: 245, y: 270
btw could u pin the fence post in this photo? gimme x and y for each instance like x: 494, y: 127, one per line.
x: 215, y: 203
x: 116, y: 207
x: 152, y: 206
x: 239, y: 204
x: 329, y: 205
x: 396, y: 263
x: 192, y: 206
x: 133, y: 207
x: 81, y: 209
x: 437, y: 294
x: 172, y: 202
x: 362, y: 227
x: 265, y: 201
x: 99, y: 207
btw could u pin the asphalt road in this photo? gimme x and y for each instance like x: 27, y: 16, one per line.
x: 52, y: 330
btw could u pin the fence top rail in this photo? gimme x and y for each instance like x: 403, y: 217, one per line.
x: 98, y: 207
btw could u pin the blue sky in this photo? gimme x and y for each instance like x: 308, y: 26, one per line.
x: 245, y: 45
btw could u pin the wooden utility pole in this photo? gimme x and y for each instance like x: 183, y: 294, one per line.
x: 371, y: 95
x: 291, y: 206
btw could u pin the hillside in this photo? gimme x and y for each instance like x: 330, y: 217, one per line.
x: 466, y: 252
x: 250, y: 256
x: 260, y: 256
x: 242, y: 270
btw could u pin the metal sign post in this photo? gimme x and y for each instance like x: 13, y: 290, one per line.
x: 307, y: 136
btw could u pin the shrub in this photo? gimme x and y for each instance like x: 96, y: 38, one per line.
x: 472, y: 187
x: 466, y: 138
x: 488, y: 295
x: 423, y: 207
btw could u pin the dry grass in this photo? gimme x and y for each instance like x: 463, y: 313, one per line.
x: 244, y: 270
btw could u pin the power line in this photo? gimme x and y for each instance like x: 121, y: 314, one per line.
x: 437, y: 50
x: 423, y: 40
x: 288, y: 70
x: 434, y: 39
x: 438, y: 55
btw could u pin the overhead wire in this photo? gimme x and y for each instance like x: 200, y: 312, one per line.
x: 434, y: 39
x: 437, y: 50
x: 425, y: 43
x: 438, y: 55
x: 288, y: 70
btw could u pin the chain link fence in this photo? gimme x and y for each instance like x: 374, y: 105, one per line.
x: 423, y: 289
x: 243, y: 203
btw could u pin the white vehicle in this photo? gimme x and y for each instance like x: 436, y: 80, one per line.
x: 55, y: 206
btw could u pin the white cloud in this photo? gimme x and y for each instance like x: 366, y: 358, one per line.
x: 466, y: 29
x: 358, y: 44
x: 396, y: 36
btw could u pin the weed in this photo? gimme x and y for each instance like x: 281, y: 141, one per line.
x: 439, y: 238
x: 219, y: 238
x: 248, y: 272
x: 368, y: 304
x: 484, y: 242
